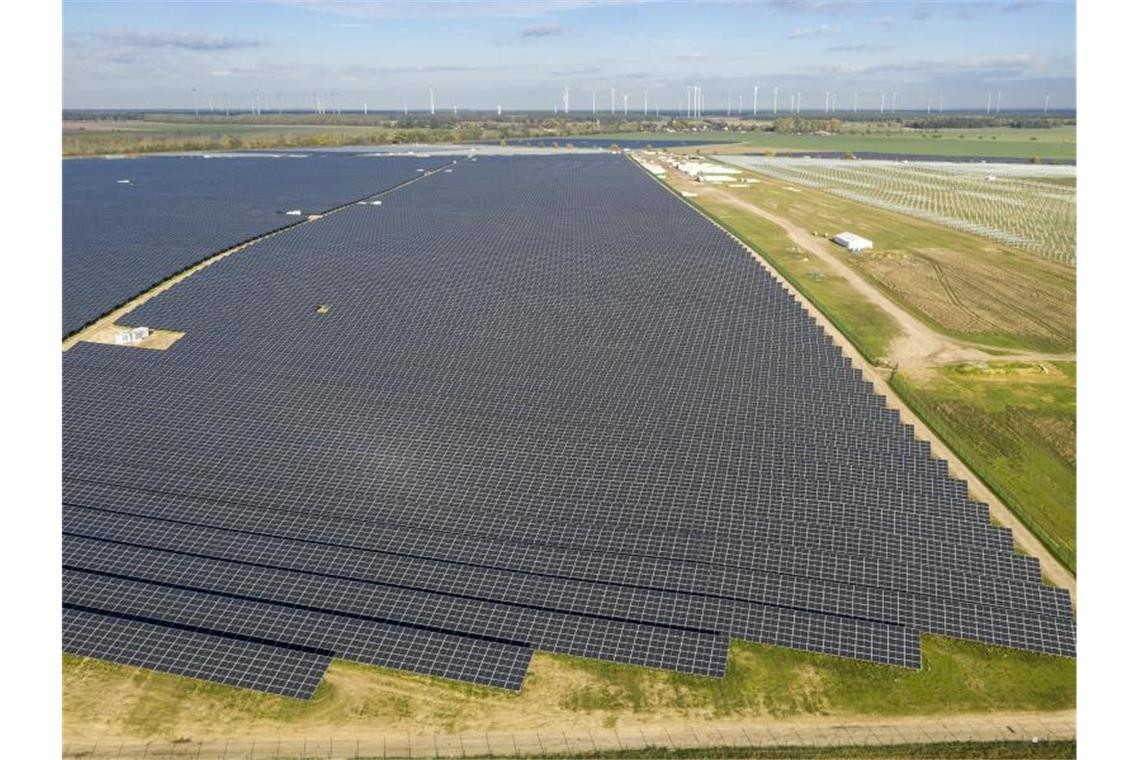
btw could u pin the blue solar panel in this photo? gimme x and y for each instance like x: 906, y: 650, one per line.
x: 131, y: 223
x: 548, y: 406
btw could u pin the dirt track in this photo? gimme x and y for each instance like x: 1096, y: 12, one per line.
x: 808, y: 731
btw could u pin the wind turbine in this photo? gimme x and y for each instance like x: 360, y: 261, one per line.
x: 941, y: 100
x: 799, y: 99
x: 856, y: 101
x: 593, y: 102
x: 988, y: 98
x: 645, y: 105
x: 625, y: 103
x: 431, y: 100
x: 894, y: 95
x: 882, y: 102
x: 776, y: 99
x: 613, y: 96
x: 999, y: 102
x: 755, y: 102
x: 1046, y: 104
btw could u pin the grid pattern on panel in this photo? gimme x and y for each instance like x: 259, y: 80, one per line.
x: 128, y: 225
x: 236, y: 662
x: 550, y: 407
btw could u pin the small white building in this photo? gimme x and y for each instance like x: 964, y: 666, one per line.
x: 853, y: 242
x: 704, y: 169
x: 132, y: 336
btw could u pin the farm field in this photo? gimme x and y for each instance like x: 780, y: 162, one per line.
x: 1014, y: 424
x: 762, y: 684
x: 1057, y: 143
x: 1003, y: 203
x: 145, y: 136
x: 963, y: 285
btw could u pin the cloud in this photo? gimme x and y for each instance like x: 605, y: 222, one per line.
x: 813, y: 6
x: 859, y: 48
x: 540, y: 30
x: 452, y: 8
x: 173, y: 40
x: 812, y: 31
x: 695, y: 55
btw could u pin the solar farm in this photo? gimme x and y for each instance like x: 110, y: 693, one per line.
x: 130, y: 223
x: 1014, y: 204
x: 527, y: 403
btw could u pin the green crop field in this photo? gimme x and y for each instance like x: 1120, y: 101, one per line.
x: 1056, y: 143
x: 1015, y: 425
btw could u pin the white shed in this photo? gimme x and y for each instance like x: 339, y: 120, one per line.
x: 853, y: 242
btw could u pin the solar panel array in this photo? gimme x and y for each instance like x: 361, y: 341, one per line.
x: 129, y: 224
x: 548, y: 406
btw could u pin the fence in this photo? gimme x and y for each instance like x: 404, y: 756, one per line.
x: 1028, y: 728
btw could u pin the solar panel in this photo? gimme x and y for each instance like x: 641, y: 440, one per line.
x: 233, y: 661
x: 547, y: 406
x: 128, y: 225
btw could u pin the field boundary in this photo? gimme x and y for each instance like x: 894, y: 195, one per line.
x: 1024, y: 536
x: 1029, y: 728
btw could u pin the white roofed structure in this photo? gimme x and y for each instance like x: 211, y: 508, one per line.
x: 853, y: 242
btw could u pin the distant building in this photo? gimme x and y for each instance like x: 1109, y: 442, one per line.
x: 704, y: 169
x: 852, y: 242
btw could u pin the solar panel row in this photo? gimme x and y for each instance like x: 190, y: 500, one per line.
x: 129, y: 224
x: 548, y: 407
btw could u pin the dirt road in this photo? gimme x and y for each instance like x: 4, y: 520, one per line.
x: 808, y: 731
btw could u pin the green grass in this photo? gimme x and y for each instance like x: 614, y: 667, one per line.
x: 760, y: 682
x: 935, y: 751
x: 1000, y: 142
x: 956, y: 677
x: 1016, y: 428
x: 864, y: 323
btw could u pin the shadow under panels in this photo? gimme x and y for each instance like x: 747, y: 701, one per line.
x: 546, y: 406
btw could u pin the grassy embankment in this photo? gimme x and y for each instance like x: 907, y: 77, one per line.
x: 1001, y: 142
x: 102, y: 699
x: 1015, y: 427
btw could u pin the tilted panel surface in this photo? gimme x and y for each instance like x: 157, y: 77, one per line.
x: 128, y: 224
x: 547, y: 404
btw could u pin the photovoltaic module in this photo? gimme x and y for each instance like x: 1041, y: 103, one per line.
x: 544, y: 405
